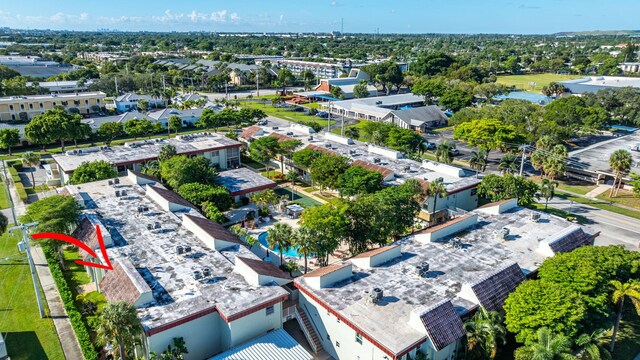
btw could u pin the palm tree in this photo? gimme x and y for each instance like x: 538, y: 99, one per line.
x: 352, y: 132
x: 508, y: 164
x: 547, y: 191
x: 484, y: 333
x: 119, y: 324
x: 291, y: 176
x: 305, y: 241
x: 31, y: 159
x: 151, y: 168
x: 443, y: 152
x: 620, y: 293
x: 377, y: 138
x: 620, y: 162
x: 591, y: 347
x: 420, y: 145
x: 478, y: 161
x: 437, y: 189
x: 548, y: 347
x: 280, y: 236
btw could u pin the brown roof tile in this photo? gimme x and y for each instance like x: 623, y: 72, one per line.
x: 326, y: 270
x: 443, y: 324
x: 248, y: 132
x: 264, y: 267
x: 215, y: 230
x: 373, y: 167
x: 320, y: 148
x: 116, y: 285
x: 281, y: 137
x: 495, y: 203
x: 375, y: 252
x: 143, y: 175
x: 172, y: 197
x: 86, y: 232
x: 444, y: 225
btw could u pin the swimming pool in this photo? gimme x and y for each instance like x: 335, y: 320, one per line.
x: 292, y: 252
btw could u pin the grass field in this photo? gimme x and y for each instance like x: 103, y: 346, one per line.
x: 521, y: 82
x: 298, y: 198
x: 285, y: 114
x: 573, y: 186
x: 358, y: 126
x: 626, y: 198
x: 27, y: 335
x: 600, y: 205
x: 4, y: 197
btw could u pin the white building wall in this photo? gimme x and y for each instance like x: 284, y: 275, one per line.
x: 255, y: 325
x: 203, y: 337
x: 466, y: 200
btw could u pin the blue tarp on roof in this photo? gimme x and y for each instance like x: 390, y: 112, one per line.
x: 624, y: 128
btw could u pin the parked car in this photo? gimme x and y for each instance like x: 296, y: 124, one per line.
x: 455, y: 152
x: 262, y: 122
x: 430, y: 146
x: 322, y: 114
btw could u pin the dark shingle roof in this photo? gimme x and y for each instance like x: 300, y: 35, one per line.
x: 266, y: 268
x: 373, y: 167
x: 443, y: 324
x: 117, y: 285
x: 173, y: 197
x: 215, y: 230
x: 422, y: 113
x: 573, y: 238
x: 492, y: 290
x: 86, y: 232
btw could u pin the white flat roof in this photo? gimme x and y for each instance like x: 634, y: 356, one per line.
x: 276, y: 344
x: 53, y: 97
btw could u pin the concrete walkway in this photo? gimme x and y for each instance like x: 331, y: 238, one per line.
x: 58, y: 314
x: 597, y: 191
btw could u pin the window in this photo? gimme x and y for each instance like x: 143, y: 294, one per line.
x: 359, y: 338
x: 10, y: 107
x: 337, y: 344
x: 41, y: 105
x: 270, y: 310
x: 328, y: 337
x: 30, y: 106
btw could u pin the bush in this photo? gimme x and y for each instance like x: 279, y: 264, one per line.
x: 22, y: 193
x: 79, y: 327
x: 17, y: 164
x: 14, y: 174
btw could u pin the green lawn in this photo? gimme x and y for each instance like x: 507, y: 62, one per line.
x: 601, y: 205
x: 573, y: 186
x: 4, y: 196
x: 27, y: 335
x: 522, y: 82
x: 624, y: 197
x: 285, y: 114
x: 359, y: 125
x: 38, y: 189
x: 298, y: 198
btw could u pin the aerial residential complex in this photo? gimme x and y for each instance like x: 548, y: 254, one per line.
x: 410, y: 296
x: 27, y: 107
x: 372, y: 108
x: 223, y: 152
x: 186, y: 275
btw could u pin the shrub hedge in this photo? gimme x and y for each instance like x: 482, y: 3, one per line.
x: 14, y: 174
x: 22, y: 193
x: 79, y: 326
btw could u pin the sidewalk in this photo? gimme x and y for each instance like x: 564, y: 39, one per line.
x: 58, y: 314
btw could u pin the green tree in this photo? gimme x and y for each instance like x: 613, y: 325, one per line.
x: 547, y: 191
x: 620, y: 162
x: 109, y: 131
x: 175, y: 123
x: 478, y: 161
x: 285, y: 77
x: 4, y: 222
x: 54, y: 124
x: 305, y: 157
x: 444, y: 152
x: 119, y: 324
x: 78, y: 131
x: 358, y: 180
x: 622, y: 291
x: 291, y: 176
x: 306, y: 242
x: 399, y: 207
x: 336, y: 92
x: 547, y: 347
x: 209, y: 119
x: 352, y: 132
x: 143, y: 105
x: 436, y: 189
x: 326, y: 170
x: 264, y: 149
x: 539, y: 304
x: 175, y: 352
x: 590, y: 346
x: 361, y: 90
x: 485, y: 332
x: 553, y: 89
x: 329, y: 224
x: 497, y: 188
x: 90, y: 171
x: 487, y: 134
x: 635, y: 183
x: 198, y: 194
x: 430, y: 88
x: 308, y: 77
x: 280, y: 237
x: 138, y: 127
x: 285, y: 150
x: 166, y: 152
x: 9, y: 138
x: 455, y: 99
x: 31, y: 159
x: 152, y: 168
x: 180, y: 170
x: 507, y: 164
x: 264, y: 199
x: 212, y: 212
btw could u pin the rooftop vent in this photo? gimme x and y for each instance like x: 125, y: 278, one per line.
x: 116, y: 181
x: 187, y: 248
x: 197, y: 275
x: 352, y: 152
x: 535, y: 216
x: 310, y: 138
x: 274, y: 128
x: 376, y: 160
x: 117, y: 193
x: 503, y: 233
x: 149, y: 226
x: 423, y: 268
x: 157, y: 225
x: 407, y: 168
x: 179, y: 250
x: 375, y: 295
x: 289, y: 132
x: 123, y: 193
x: 378, y: 102
x: 327, y: 145
x: 110, y: 182
x: 206, y: 272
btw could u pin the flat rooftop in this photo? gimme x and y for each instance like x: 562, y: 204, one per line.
x: 595, y: 158
x: 53, y: 97
x: 176, y: 294
x: 144, y: 150
x: 242, y: 180
x: 381, y: 101
x: 607, y: 81
x: 466, y: 257
x: 455, y: 179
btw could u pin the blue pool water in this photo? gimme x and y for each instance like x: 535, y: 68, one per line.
x: 521, y: 95
x: 292, y: 252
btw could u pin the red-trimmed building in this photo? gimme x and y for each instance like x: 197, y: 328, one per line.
x: 243, y: 183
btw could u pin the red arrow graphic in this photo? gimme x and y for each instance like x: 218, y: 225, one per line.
x: 83, y: 246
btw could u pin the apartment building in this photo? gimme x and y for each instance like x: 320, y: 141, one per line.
x: 224, y: 153
x: 413, y: 295
x: 372, y: 108
x: 187, y: 276
x: 130, y: 101
x: 320, y: 70
x: 26, y: 108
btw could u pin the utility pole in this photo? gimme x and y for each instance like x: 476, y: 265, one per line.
x: 116, y: 80
x: 329, y: 119
x: 342, y: 128
x: 524, y: 148
x: 257, y: 83
x: 164, y: 84
x: 24, y: 246
x: 6, y: 179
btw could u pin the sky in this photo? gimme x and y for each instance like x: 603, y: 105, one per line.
x: 360, y: 16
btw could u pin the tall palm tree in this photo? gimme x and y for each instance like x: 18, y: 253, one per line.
x: 437, y: 189
x: 485, y: 332
x: 620, y: 162
x: 591, y: 347
x: 547, y: 191
x: 31, y: 159
x: 280, y: 236
x: 291, y: 176
x: 507, y: 164
x: 419, y: 145
x: 305, y: 241
x: 548, y: 347
x: 151, y: 168
x: 478, y: 161
x: 119, y: 324
x: 620, y: 293
x: 444, y: 152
